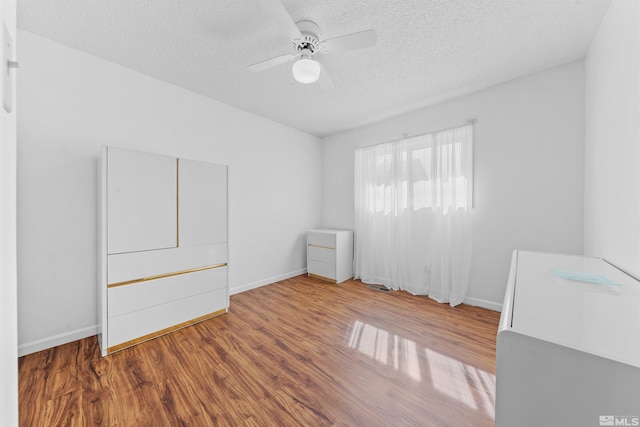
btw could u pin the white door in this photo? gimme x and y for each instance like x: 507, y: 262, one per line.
x: 8, y: 263
x: 142, y: 207
x: 202, y: 193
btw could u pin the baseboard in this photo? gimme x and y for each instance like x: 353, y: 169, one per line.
x: 48, y: 342
x: 477, y: 302
x: 78, y: 334
x: 268, y: 281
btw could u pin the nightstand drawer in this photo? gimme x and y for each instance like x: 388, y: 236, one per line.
x: 322, y: 239
x: 322, y: 269
x: 317, y: 253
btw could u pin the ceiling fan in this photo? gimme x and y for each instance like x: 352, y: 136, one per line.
x: 307, y: 43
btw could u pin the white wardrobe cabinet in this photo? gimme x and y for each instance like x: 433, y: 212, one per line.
x: 163, y: 245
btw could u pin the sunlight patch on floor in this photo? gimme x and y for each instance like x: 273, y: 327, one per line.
x: 449, y: 377
x: 370, y: 341
x: 485, y: 385
x: 376, y: 343
x: 467, y: 384
x: 410, y: 364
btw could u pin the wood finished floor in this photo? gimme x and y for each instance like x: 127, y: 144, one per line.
x: 298, y: 352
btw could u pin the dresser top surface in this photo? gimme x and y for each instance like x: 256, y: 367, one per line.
x: 578, y: 302
x: 329, y: 231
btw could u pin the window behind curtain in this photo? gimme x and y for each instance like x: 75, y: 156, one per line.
x: 413, y: 202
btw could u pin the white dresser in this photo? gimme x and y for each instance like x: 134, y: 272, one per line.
x: 330, y: 254
x: 568, y: 351
x: 162, y: 245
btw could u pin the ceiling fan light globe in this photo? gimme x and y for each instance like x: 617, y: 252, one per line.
x: 306, y: 70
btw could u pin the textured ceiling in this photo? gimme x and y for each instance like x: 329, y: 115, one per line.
x: 427, y: 51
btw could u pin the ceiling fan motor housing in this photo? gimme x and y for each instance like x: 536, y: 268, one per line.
x: 310, y: 36
x: 305, y: 36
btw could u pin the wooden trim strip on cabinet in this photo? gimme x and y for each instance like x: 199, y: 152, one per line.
x: 323, y: 247
x: 161, y: 276
x: 326, y: 279
x: 177, y: 203
x: 165, y: 331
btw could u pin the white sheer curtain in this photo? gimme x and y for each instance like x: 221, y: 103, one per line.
x: 413, y: 201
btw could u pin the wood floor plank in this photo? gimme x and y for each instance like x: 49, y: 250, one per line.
x: 297, y: 352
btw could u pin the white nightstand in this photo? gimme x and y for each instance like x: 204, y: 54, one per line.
x: 330, y: 254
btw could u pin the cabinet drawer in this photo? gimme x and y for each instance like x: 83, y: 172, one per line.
x: 323, y: 239
x: 136, y: 265
x: 323, y: 269
x: 321, y: 254
x: 137, y: 324
x: 138, y: 296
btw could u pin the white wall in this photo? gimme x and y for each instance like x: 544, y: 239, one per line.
x: 528, y: 169
x: 71, y: 103
x: 8, y: 287
x: 612, y: 150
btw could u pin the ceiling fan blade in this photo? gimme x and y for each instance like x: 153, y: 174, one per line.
x: 280, y: 14
x: 352, y: 41
x: 269, y: 63
x: 324, y: 81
